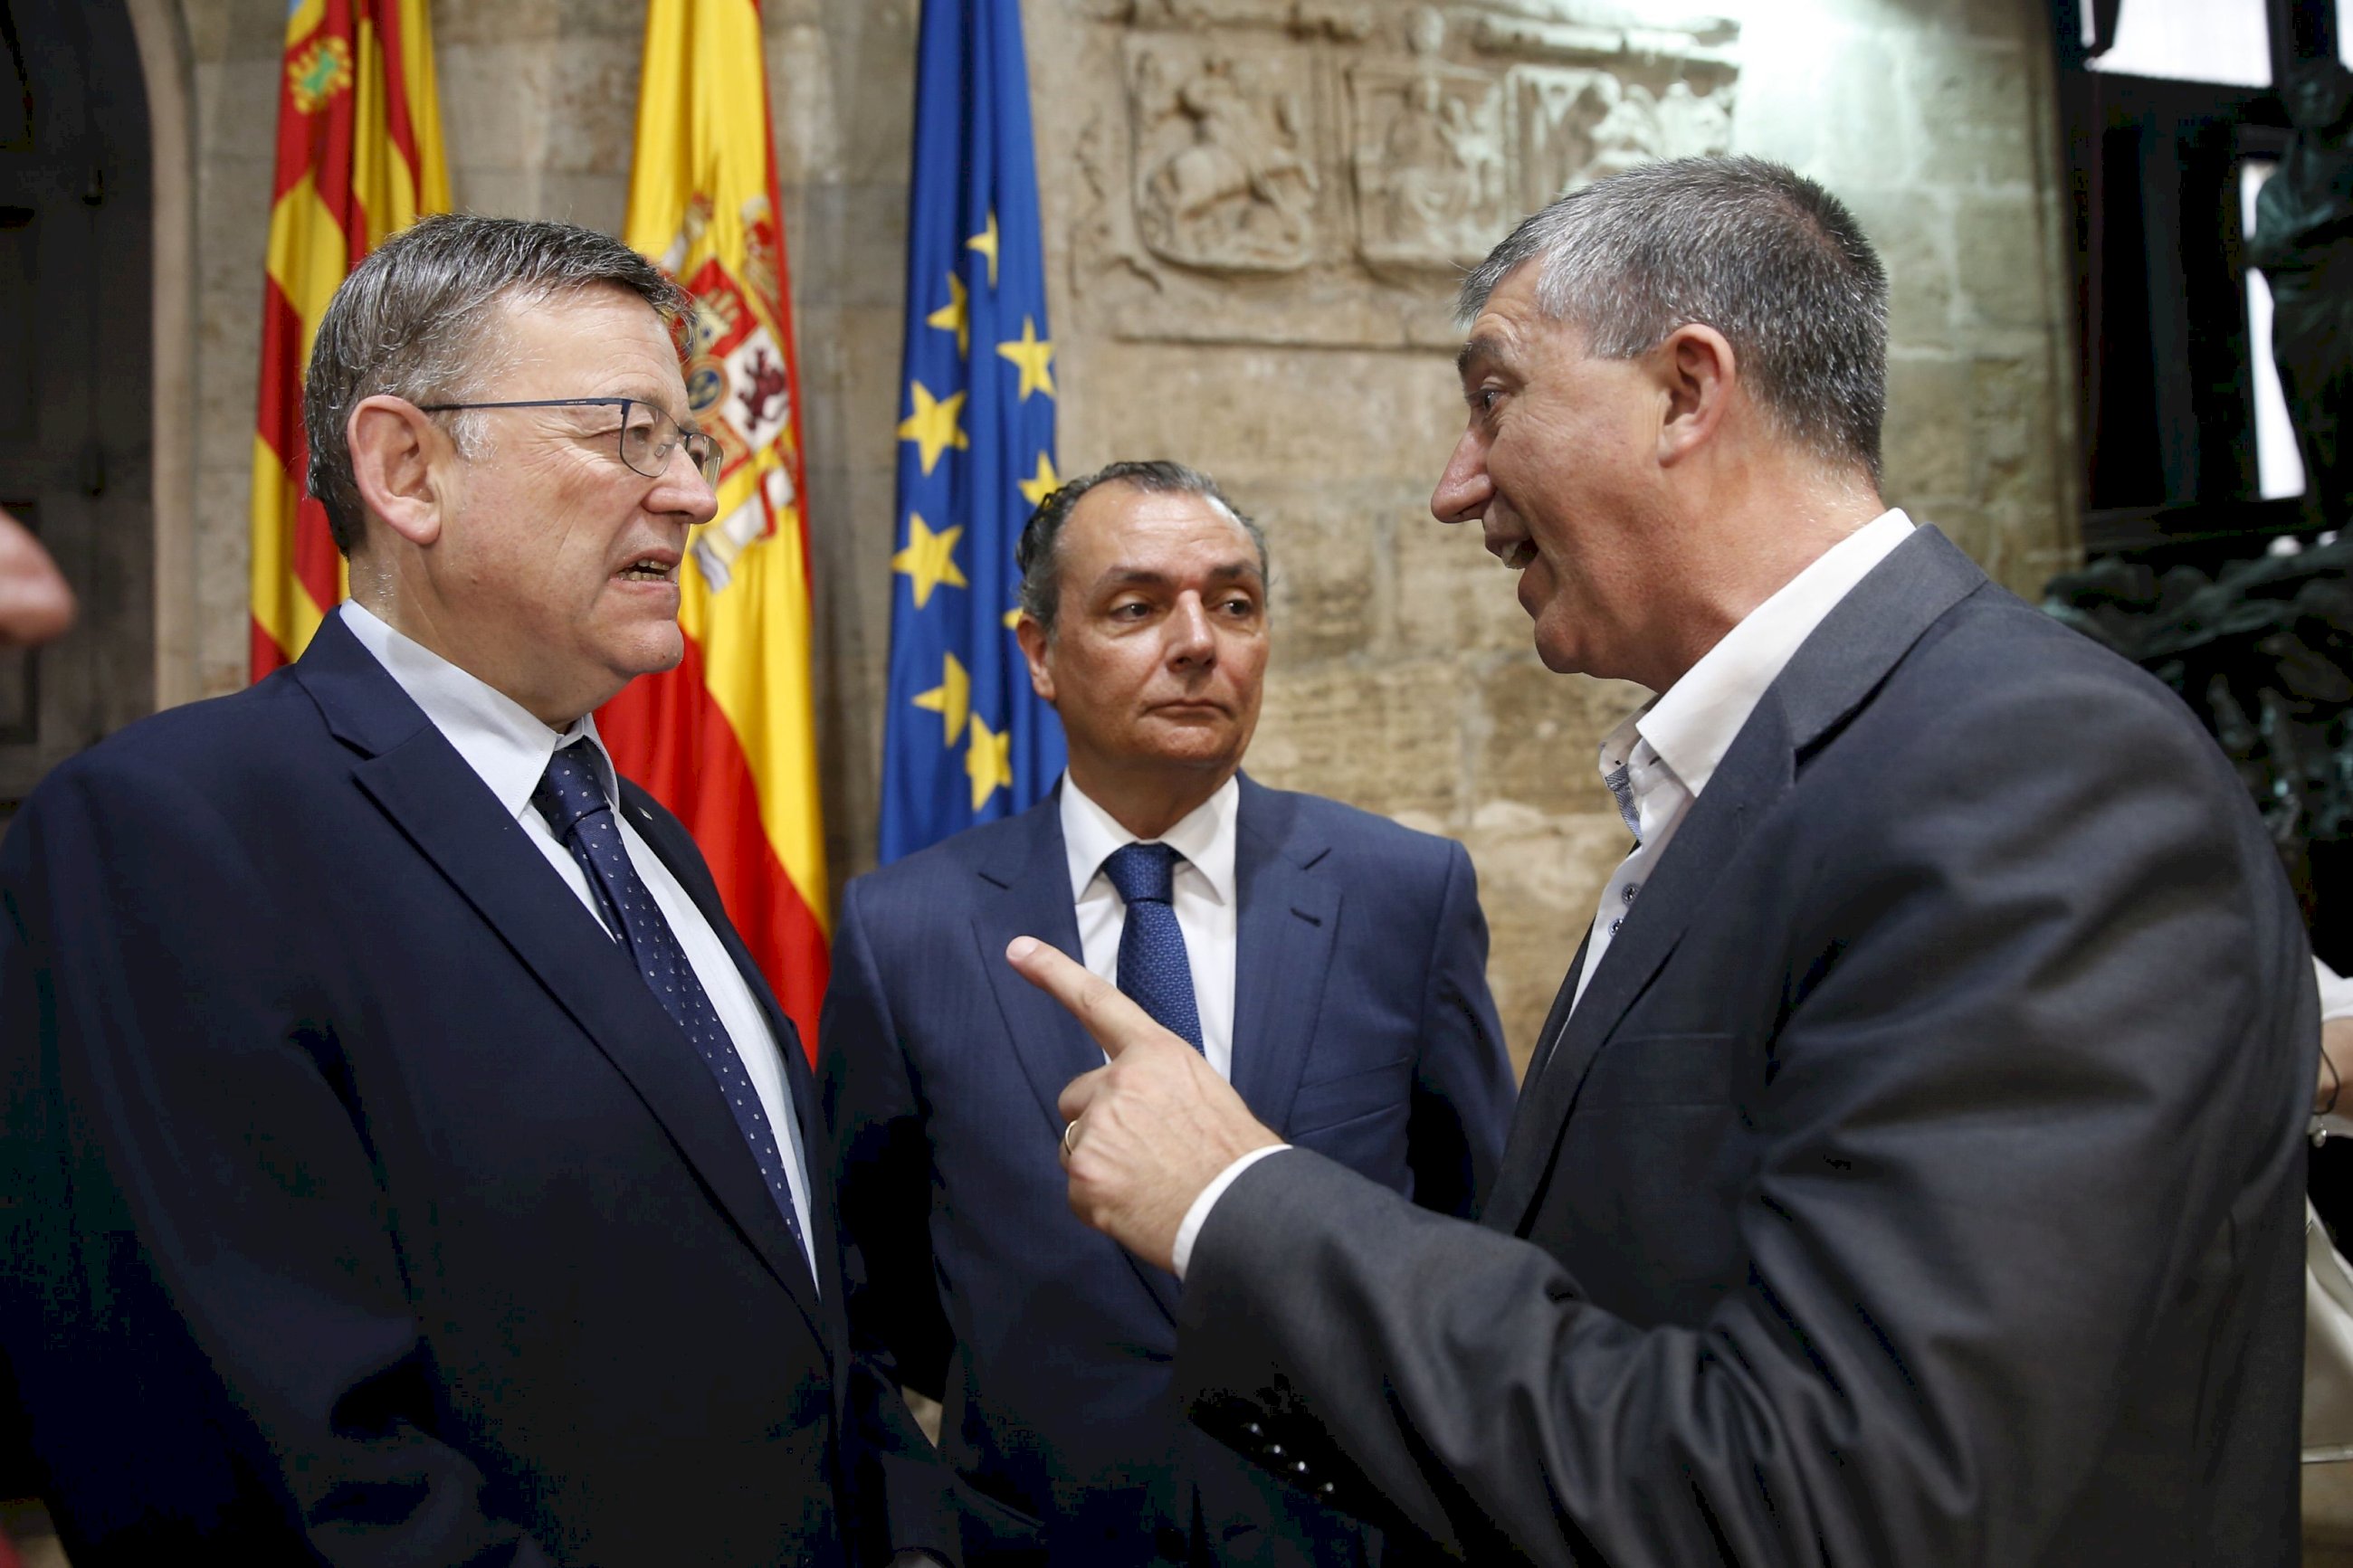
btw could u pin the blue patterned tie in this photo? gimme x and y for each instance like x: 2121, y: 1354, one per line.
x: 1152, y: 966
x: 571, y: 796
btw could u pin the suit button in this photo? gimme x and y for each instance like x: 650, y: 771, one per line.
x: 1252, y: 1428
x: 1274, y: 1450
x: 1324, y: 1491
x: 1301, y: 1466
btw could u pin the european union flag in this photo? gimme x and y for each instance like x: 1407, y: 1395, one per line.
x: 965, y: 740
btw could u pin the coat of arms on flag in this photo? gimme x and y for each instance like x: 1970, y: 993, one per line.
x: 728, y: 740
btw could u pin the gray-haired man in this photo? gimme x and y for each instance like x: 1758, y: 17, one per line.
x: 1909, y: 1171
x: 404, y: 1163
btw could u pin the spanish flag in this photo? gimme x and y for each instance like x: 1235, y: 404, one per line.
x: 727, y: 740
x: 359, y: 156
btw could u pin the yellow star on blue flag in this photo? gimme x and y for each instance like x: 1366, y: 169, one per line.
x: 965, y: 739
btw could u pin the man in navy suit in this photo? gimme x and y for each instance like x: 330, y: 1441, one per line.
x: 401, y: 1159
x: 1329, y: 963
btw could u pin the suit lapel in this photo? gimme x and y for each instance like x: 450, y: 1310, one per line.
x: 426, y: 788
x: 1754, y: 774
x: 1565, y: 998
x: 1529, y: 1143
x: 1028, y: 878
x: 1284, y: 936
x: 1832, y: 674
x: 678, y: 853
x: 1030, y: 873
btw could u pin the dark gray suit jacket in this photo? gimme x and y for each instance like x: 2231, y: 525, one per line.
x: 1362, y: 1029
x: 1918, y: 1182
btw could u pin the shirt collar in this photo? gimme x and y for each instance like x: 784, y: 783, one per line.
x: 1694, y: 722
x: 498, y: 738
x: 1204, y: 836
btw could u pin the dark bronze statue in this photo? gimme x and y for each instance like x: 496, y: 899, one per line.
x: 2261, y: 653
x: 2260, y: 648
x: 2304, y: 243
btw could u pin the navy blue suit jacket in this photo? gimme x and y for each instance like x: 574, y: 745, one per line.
x: 1363, y: 1029
x: 354, y: 1186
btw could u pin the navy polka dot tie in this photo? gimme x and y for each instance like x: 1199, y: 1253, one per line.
x: 1152, y: 966
x: 571, y: 796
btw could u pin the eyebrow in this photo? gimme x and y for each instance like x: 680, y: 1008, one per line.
x: 686, y: 421
x: 1478, y: 350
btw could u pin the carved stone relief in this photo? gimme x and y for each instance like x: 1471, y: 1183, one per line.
x: 1301, y: 171
x: 1429, y: 164
x: 1225, y: 181
x: 1578, y: 126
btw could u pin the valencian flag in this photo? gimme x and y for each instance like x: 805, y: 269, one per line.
x: 359, y: 155
x: 727, y: 740
x: 965, y: 740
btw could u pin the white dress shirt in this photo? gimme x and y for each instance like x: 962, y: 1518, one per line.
x: 1201, y: 890
x: 1659, y: 759
x: 508, y: 749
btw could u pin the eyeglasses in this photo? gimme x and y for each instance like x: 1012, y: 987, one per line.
x: 649, y: 435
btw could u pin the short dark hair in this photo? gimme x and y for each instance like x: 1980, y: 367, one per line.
x: 1765, y: 256
x: 416, y: 319
x: 1038, y: 553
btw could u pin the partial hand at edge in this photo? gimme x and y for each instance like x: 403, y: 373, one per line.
x: 34, y: 603
x: 1154, y: 1127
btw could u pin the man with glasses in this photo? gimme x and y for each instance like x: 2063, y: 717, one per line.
x: 401, y: 1159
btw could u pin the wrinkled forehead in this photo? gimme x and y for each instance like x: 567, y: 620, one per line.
x: 1513, y: 332
x: 598, y: 340
x: 1119, y: 527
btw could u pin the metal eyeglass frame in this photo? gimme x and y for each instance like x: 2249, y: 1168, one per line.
x: 702, y: 449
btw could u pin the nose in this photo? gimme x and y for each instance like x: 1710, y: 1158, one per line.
x: 1464, y: 489
x: 683, y: 491
x: 1190, y: 640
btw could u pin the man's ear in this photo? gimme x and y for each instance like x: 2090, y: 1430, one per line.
x: 1032, y: 638
x: 394, y: 448
x: 1700, y: 375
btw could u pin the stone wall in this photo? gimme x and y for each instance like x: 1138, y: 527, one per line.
x: 1291, y: 335
x: 1253, y: 209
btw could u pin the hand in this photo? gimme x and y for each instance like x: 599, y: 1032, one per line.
x: 34, y: 603
x: 1150, y: 1130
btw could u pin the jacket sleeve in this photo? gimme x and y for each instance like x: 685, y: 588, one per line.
x: 1463, y: 1087
x: 199, y: 1281
x: 2038, y: 1071
x: 881, y: 1166
x: 883, y: 1175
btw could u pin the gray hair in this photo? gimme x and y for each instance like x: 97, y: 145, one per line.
x: 1770, y: 260
x: 418, y: 320
x: 1038, y: 555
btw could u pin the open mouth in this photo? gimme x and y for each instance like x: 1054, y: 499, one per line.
x: 651, y: 569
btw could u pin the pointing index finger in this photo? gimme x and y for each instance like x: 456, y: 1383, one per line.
x: 1114, y: 1020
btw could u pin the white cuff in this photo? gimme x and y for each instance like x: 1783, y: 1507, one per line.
x: 2336, y: 994
x: 1198, y: 1214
